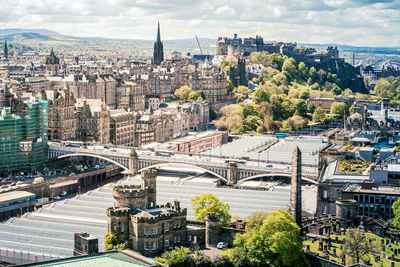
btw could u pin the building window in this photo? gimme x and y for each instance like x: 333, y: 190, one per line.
x: 325, y: 194
x: 153, y: 245
x: 166, y: 227
x: 178, y: 224
x: 146, y: 245
x: 190, y: 238
x: 167, y: 243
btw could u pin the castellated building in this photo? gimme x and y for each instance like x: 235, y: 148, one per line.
x: 144, y: 226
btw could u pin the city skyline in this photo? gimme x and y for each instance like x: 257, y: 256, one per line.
x: 359, y: 23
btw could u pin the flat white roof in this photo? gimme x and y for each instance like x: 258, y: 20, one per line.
x: 8, y: 196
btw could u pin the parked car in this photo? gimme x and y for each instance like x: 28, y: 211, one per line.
x: 63, y: 193
x: 222, y: 245
x: 57, y: 198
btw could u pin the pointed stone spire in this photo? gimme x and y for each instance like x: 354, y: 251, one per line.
x: 5, y: 50
x: 295, y: 192
x: 158, y: 54
x: 158, y: 33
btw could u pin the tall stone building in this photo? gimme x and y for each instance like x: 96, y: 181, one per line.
x: 158, y: 55
x: 52, y: 64
x: 61, y: 116
x: 5, y: 51
x: 93, y: 121
x: 295, y: 192
x: 144, y: 226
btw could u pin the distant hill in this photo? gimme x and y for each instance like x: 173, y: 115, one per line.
x: 11, y: 31
x: 42, y: 39
x: 21, y: 37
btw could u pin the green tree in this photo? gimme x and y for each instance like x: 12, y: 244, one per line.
x: 277, y: 60
x: 229, y: 87
x: 311, y: 108
x: 175, y: 258
x: 303, y: 50
x: 277, y: 242
x: 111, y: 242
x: 207, y: 203
x: 301, y: 107
x: 249, y: 109
x: 256, y: 219
x: 313, y: 75
x: 303, y: 70
x: 357, y: 246
x: 318, y: 115
x: 304, y: 94
x: 243, y: 90
x: 251, y: 123
x: 396, y: 212
x: 229, y: 62
x: 383, y: 88
x: 347, y: 92
x: 236, y: 256
x: 183, y: 92
x: 197, y: 95
x: 289, y: 68
x: 213, y: 114
x: 260, y: 95
x: 339, y: 110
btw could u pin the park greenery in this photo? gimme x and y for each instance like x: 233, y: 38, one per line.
x: 111, y: 242
x: 209, y: 203
x: 356, y: 246
x: 280, y: 101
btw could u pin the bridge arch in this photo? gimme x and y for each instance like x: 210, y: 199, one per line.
x: 164, y: 164
x: 93, y: 156
x: 274, y: 175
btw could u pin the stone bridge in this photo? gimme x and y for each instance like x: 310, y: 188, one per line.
x: 230, y: 171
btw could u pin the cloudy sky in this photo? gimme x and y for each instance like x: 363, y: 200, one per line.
x: 353, y: 22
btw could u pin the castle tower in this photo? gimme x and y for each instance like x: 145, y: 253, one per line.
x: 212, y: 229
x: 5, y: 50
x: 149, y: 179
x: 118, y: 222
x: 295, y: 191
x: 158, y: 54
x: 133, y: 163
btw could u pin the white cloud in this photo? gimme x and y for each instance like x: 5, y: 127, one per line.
x: 356, y: 22
x: 225, y: 11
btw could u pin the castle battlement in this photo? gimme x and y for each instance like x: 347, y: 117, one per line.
x: 149, y: 173
x: 161, y: 217
x: 130, y: 191
x: 119, y: 212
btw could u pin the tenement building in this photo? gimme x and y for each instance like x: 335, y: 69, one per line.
x: 93, y: 121
x: 61, y: 116
x: 144, y: 226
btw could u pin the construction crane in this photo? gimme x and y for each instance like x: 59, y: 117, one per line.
x: 198, y: 43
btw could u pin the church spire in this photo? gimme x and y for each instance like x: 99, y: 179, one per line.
x: 158, y: 54
x: 5, y: 53
x: 158, y: 33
